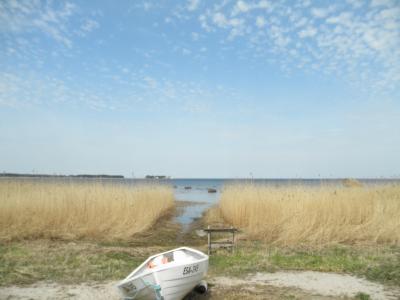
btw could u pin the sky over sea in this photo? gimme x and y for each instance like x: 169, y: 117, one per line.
x: 299, y: 89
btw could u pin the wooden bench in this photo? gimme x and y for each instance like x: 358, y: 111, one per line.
x: 230, y: 244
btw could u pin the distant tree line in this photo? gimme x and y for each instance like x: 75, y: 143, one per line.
x: 49, y: 175
x: 156, y: 177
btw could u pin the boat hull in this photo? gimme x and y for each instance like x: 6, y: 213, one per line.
x: 170, y: 282
x: 178, y: 281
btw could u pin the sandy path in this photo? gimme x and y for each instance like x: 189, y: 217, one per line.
x: 49, y: 291
x: 314, y: 283
x: 326, y: 284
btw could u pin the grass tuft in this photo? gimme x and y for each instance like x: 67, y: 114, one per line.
x: 362, y: 296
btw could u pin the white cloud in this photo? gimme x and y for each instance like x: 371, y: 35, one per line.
x: 32, y: 89
x: 389, y: 14
x: 203, y: 22
x: 308, y: 32
x: 240, y: 7
x: 151, y: 82
x: 195, y: 36
x: 375, y: 3
x: 186, y: 51
x: 147, y: 5
x: 46, y: 17
x: 377, y: 40
x: 52, y: 31
x: 193, y: 5
x: 301, y: 22
x: 125, y: 90
x: 220, y: 19
x: 265, y: 5
x: 356, y: 3
x: 243, y: 7
x: 319, y: 12
x: 20, y: 16
x: 90, y: 25
x: 235, y: 22
x: 346, y: 39
x: 260, y: 21
x: 344, y: 18
x: 236, y: 25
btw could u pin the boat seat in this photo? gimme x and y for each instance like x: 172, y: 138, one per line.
x: 181, y: 256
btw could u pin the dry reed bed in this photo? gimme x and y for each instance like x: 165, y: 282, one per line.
x: 314, y: 216
x: 93, y: 210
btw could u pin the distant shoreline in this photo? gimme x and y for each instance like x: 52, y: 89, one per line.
x: 57, y: 176
x: 234, y: 179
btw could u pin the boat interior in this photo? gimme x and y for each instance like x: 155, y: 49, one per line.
x: 175, y: 257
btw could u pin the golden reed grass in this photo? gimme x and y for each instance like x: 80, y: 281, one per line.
x: 37, y: 209
x: 314, y: 216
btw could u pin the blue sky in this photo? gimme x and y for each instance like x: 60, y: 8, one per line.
x: 201, y: 88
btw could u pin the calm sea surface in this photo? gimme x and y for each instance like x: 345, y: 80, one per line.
x: 198, y: 192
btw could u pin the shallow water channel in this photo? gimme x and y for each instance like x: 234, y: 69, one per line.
x: 197, y: 193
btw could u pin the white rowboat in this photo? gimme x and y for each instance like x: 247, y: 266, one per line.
x: 169, y: 275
